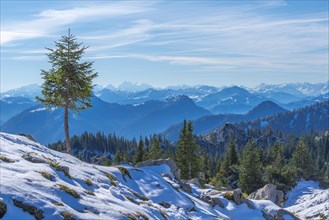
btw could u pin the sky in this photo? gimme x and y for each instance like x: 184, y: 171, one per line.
x: 166, y: 43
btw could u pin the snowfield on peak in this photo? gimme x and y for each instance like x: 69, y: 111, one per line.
x: 50, y: 185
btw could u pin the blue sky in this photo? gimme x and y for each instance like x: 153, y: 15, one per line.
x: 171, y: 42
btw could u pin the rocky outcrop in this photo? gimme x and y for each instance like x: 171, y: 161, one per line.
x: 237, y: 196
x: 279, y: 214
x: 268, y: 192
x: 211, y: 200
x: 185, y: 187
x: 34, y: 158
x: 170, y: 162
x: 195, y: 181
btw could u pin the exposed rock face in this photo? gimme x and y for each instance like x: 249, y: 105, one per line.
x: 237, y: 196
x: 268, y: 192
x: 280, y: 214
x: 185, y: 187
x: 64, y: 169
x: 195, y: 181
x: 211, y: 200
x: 34, y: 158
x: 170, y: 162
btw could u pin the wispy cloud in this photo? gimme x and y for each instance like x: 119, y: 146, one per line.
x: 50, y: 21
x: 207, y: 36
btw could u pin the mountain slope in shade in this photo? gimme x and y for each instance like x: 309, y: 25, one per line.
x: 125, y: 120
x: 301, y: 121
x: 311, y: 118
x: 207, y: 123
x: 10, y: 106
x: 89, y: 191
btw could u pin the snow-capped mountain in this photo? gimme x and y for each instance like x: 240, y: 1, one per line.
x: 29, y: 91
x: 133, y: 87
x: 37, y: 182
x: 295, y: 89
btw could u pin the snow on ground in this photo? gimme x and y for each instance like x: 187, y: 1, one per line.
x: 117, y: 192
x: 308, y: 200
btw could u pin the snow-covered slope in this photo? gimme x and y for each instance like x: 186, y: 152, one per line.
x: 308, y: 200
x: 88, y: 191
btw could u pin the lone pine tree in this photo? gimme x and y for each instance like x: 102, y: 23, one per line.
x: 68, y: 83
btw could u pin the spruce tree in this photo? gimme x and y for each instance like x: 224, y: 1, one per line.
x: 188, y: 153
x: 156, y: 150
x: 181, y: 153
x: 68, y: 83
x: 228, y: 170
x: 139, y: 154
x: 302, y: 160
x: 250, y: 176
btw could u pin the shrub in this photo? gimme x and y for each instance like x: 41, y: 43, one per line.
x: 132, y: 200
x: 67, y: 216
x: 229, y: 195
x: 124, y: 171
x: 38, y: 214
x: 144, y: 198
x: 89, y: 192
x: 164, y: 215
x: 130, y: 216
x: 47, y: 175
x: 58, y: 204
x: 70, y: 191
x: 88, y: 182
x: 3, y: 208
x: 139, y: 214
x: 112, y: 179
x: 6, y: 159
x: 54, y: 164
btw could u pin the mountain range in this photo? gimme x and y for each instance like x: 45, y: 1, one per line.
x: 207, y: 123
x: 125, y: 120
x: 132, y: 110
x: 266, y: 129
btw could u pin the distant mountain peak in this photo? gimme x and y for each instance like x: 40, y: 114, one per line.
x: 266, y: 108
x: 133, y: 87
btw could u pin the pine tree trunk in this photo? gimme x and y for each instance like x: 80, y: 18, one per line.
x: 66, y: 129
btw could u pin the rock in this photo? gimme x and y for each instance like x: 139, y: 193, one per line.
x: 268, y: 192
x: 211, y: 200
x: 64, y: 169
x: 249, y: 203
x: 170, y: 162
x: 195, y: 181
x: 279, y: 214
x: 34, y: 158
x: 185, y: 187
x: 165, y: 204
x: 218, y: 202
x: 237, y: 196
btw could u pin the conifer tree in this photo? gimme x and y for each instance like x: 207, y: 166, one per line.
x: 250, y: 176
x: 139, y: 154
x: 302, y: 160
x: 230, y: 159
x: 188, y: 153
x: 68, y: 83
x: 117, y: 157
x: 155, y: 150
